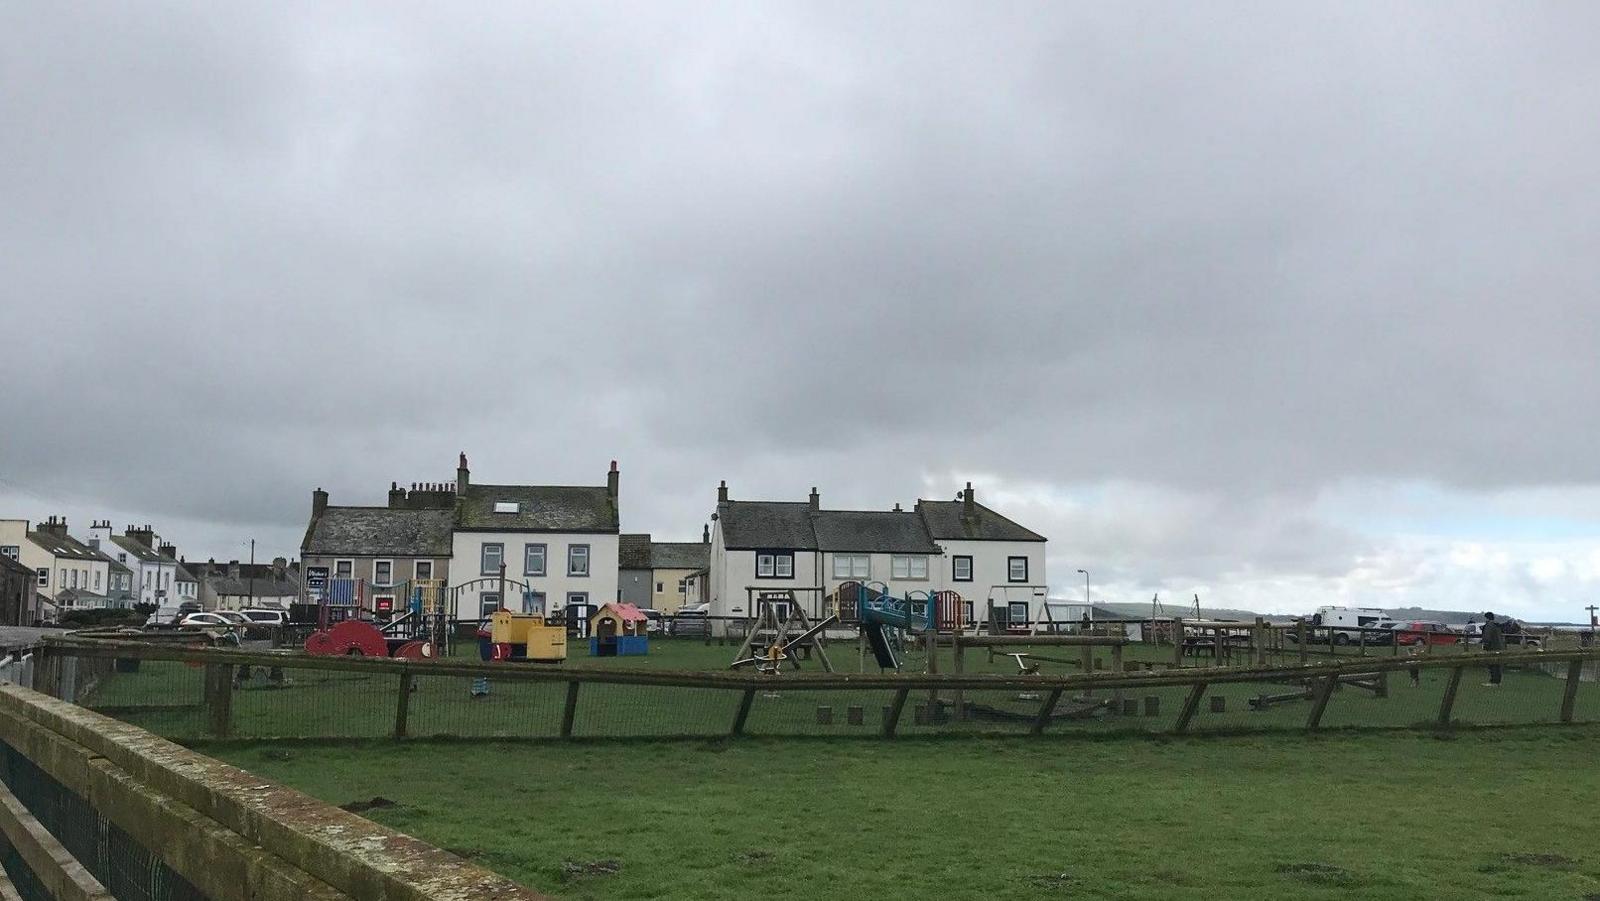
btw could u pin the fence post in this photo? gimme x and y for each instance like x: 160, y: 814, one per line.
x: 893, y: 719
x: 1045, y: 709
x: 1116, y: 670
x: 744, y: 711
x: 402, y: 705
x: 571, y: 709
x: 1569, y: 698
x: 1320, y: 702
x: 1177, y: 641
x: 960, y: 667
x: 1190, y: 705
x: 1300, y: 637
x: 1450, y: 689
x: 219, y: 698
x: 1260, y: 636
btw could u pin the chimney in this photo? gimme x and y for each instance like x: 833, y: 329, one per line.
x: 56, y: 525
x: 169, y: 551
x: 705, y: 534
x: 722, y: 492
x: 969, y: 508
x: 279, y: 567
x: 319, y: 502
x: 233, y: 569
x: 462, y: 474
x: 816, y: 500
x: 397, y: 496
x: 897, y: 507
x: 612, y: 478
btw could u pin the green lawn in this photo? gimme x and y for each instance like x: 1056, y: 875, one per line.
x: 1341, y: 815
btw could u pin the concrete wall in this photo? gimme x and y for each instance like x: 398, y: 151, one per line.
x: 668, y: 598
x: 635, y: 585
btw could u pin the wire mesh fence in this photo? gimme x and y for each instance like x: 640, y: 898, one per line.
x: 128, y: 870
x: 240, y: 695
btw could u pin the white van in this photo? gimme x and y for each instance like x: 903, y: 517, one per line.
x: 1347, y: 624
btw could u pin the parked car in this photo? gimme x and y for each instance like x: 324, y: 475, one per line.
x: 1426, y: 632
x: 1347, y: 625
x: 170, y: 616
x: 690, y: 621
x: 654, y: 621
x: 264, y: 617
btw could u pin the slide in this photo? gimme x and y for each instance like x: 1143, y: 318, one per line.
x: 879, y: 643
x: 890, y: 613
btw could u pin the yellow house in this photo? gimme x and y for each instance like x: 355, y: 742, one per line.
x: 671, y: 565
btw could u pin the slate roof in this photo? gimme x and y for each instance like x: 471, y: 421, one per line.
x: 945, y: 522
x: 68, y: 547
x: 633, y: 551
x: 680, y: 554
x: 371, y: 531
x: 16, y: 566
x: 242, y: 587
x: 541, y: 508
x: 183, y: 575
x: 132, y: 546
x: 752, y: 525
x: 871, y: 531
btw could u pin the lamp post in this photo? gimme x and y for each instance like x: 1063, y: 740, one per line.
x: 1086, y: 604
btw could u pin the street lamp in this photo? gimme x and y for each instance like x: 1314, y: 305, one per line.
x: 1086, y: 604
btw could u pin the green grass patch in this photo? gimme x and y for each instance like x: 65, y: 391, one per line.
x: 1346, y: 815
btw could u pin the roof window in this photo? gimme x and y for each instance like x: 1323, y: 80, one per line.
x: 507, y: 507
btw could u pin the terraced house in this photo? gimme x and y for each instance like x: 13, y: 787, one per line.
x: 376, y: 554
x: 770, y: 547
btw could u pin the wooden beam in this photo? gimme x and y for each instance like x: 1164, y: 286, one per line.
x: 219, y: 698
x: 1190, y: 705
x: 744, y: 712
x: 1569, y: 697
x: 1319, y: 702
x: 570, y: 712
x: 402, y: 706
x: 893, y: 719
x: 1045, y: 709
x: 1450, y: 690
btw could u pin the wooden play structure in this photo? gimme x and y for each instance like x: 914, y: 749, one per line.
x: 1021, y: 649
x: 772, y: 642
x: 522, y: 638
x: 618, y: 630
x: 360, y: 638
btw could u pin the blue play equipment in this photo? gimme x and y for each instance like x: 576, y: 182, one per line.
x: 881, y: 611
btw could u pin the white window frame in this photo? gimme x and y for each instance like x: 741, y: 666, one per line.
x: 844, y: 566
x: 544, y: 559
x: 375, y: 579
x: 483, y: 557
x: 416, y: 569
x: 349, y: 575
x: 904, y: 566
x: 10, y: 550
x: 42, y: 576
x: 955, y: 568
x: 572, y: 561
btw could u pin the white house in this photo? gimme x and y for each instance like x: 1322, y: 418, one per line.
x: 768, y: 547
x: 59, y: 561
x: 549, y: 547
x: 155, y: 570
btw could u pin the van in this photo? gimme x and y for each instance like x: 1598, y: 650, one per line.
x: 1349, y: 624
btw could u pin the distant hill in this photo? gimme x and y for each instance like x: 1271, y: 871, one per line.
x: 1141, y: 611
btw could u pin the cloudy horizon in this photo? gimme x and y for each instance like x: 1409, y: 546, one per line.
x: 1278, y: 305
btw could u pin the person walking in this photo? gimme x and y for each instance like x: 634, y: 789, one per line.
x: 1493, y: 640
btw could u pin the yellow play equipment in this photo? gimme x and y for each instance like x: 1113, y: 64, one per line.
x: 515, y: 636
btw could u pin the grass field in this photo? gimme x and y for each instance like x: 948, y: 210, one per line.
x: 1378, y: 815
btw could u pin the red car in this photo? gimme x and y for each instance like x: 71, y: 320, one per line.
x: 1423, y: 632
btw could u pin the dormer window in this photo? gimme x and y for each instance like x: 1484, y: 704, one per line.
x: 507, y: 507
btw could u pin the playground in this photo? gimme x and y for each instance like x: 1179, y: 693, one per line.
x: 1334, y: 816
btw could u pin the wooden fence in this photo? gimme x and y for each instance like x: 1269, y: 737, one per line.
x: 58, y: 656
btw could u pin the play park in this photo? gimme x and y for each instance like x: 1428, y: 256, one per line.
x: 887, y: 748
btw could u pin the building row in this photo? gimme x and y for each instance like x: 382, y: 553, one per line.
x: 552, y: 547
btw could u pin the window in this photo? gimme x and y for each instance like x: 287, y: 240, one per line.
x: 578, y: 560
x: 122, y: 558
x: 774, y: 564
x: 383, y: 572
x: 507, y: 507
x: 533, y: 559
x: 1018, y: 610
x: 491, y: 558
x: 908, y: 567
x: 683, y: 586
x: 422, y: 569
x: 852, y: 566
x: 579, y: 599
x: 97, y: 580
x: 1017, y: 569
x: 660, y: 587
x: 344, y: 569
x: 74, y: 578
x: 9, y: 550
x: 44, y: 577
x: 961, y: 569
x: 487, y: 604
x: 533, y: 602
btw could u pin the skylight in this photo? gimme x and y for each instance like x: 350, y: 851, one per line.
x: 507, y: 507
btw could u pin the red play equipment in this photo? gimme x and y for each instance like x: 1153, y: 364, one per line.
x: 359, y: 638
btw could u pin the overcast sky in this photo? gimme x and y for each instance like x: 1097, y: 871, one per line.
x: 1281, y: 304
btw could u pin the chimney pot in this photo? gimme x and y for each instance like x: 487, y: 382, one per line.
x: 705, y: 534
x: 722, y: 492
x: 612, y: 481
x: 816, y: 500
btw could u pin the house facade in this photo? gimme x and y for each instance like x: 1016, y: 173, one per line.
x: 153, y: 574
x: 634, y: 576
x: 673, y: 564
x: 549, y: 547
x: 386, y: 551
x: 19, y: 599
x: 762, y: 547
x: 238, y: 586
x: 59, y: 561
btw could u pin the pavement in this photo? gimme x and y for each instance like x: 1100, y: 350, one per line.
x: 18, y: 636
